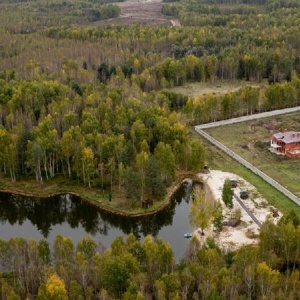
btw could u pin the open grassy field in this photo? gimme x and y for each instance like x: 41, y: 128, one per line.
x: 251, y: 141
x: 216, y: 88
x: 218, y: 160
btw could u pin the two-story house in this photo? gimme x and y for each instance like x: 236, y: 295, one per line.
x: 286, y: 143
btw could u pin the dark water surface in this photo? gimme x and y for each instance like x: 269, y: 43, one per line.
x: 72, y: 217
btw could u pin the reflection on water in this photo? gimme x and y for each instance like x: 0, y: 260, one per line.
x: 71, y: 216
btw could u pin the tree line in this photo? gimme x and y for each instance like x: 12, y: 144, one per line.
x: 246, y: 101
x: 132, y: 269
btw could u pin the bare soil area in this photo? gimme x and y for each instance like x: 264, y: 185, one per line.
x: 144, y: 12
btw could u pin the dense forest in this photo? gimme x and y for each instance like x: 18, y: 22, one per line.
x: 131, y: 269
x: 93, y: 104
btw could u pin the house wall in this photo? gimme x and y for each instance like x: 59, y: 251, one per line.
x: 279, y: 143
x: 292, y: 156
x: 293, y: 146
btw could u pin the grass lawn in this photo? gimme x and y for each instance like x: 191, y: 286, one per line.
x: 251, y: 141
x: 218, y: 160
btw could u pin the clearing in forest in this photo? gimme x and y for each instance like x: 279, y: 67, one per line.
x: 146, y: 12
x: 196, y: 89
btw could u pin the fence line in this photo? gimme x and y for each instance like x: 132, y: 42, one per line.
x: 232, y: 154
x: 250, y: 117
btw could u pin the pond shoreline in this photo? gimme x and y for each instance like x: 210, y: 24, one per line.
x: 165, y: 202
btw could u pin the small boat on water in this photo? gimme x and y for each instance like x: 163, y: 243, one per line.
x: 188, y: 235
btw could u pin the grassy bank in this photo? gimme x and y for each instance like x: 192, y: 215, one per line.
x: 119, y: 203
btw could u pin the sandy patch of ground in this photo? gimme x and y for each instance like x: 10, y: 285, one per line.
x: 247, y: 231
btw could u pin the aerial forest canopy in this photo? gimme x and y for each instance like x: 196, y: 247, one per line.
x: 131, y: 269
x: 92, y: 103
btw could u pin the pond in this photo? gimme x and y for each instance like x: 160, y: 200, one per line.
x: 72, y: 217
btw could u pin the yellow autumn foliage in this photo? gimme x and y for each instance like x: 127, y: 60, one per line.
x: 55, y: 288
